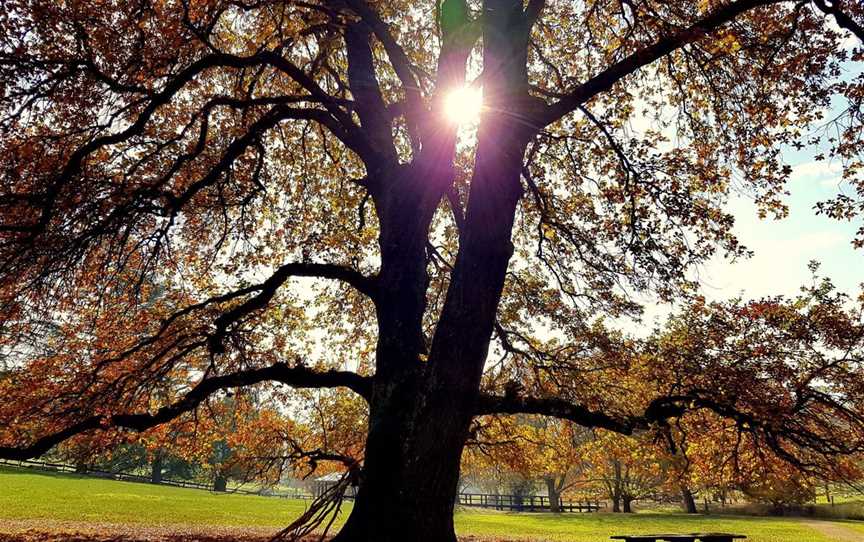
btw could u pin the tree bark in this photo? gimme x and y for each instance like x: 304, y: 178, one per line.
x: 627, y: 508
x: 420, y: 413
x: 554, y: 494
x: 156, y: 469
x: 688, y: 500
x: 400, y: 499
x: 615, y: 486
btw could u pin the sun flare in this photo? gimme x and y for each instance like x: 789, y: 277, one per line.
x: 464, y: 105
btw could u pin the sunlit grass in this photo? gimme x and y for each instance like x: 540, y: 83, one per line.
x: 599, y: 527
x: 65, y: 497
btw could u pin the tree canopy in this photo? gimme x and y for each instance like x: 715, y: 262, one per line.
x: 227, y: 193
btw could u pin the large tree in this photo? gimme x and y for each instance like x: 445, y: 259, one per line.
x: 222, y: 149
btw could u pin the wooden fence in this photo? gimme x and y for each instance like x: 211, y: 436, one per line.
x: 525, y: 503
x: 128, y: 477
x: 519, y: 503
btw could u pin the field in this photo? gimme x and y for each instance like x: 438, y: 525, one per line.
x: 46, y: 499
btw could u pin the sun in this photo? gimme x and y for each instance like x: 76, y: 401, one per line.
x: 464, y: 105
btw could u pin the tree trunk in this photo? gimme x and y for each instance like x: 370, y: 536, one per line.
x: 554, y: 495
x: 407, y: 489
x: 688, y: 500
x: 420, y: 412
x: 627, y: 509
x: 616, y: 486
x: 156, y: 469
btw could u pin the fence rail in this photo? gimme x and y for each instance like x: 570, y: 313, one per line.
x: 525, y: 503
x: 519, y: 503
x: 128, y: 477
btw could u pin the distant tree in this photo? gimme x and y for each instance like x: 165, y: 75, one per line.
x: 235, y: 147
x: 625, y: 469
x: 781, y: 488
x: 543, y: 451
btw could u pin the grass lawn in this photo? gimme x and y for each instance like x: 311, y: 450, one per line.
x: 26, y: 494
x: 598, y: 527
x: 854, y: 525
x: 64, y: 497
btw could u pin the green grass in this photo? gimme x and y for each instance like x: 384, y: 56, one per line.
x: 598, y: 527
x: 65, y: 497
x: 854, y: 525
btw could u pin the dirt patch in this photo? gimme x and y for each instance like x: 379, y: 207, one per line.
x: 35, y: 530
x: 68, y: 531
x: 834, y: 531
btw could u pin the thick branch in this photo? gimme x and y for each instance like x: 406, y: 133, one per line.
x: 835, y: 8
x: 398, y: 58
x: 366, y: 90
x: 791, y: 437
x: 241, y: 144
x: 533, y: 10
x: 611, y: 75
x: 298, y: 377
x: 338, y: 121
x: 263, y: 293
x: 267, y: 290
x: 554, y: 407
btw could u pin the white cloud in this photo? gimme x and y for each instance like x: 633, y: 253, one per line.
x: 826, y: 174
x: 778, y: 266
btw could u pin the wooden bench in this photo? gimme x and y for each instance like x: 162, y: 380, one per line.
x: 692, y: 537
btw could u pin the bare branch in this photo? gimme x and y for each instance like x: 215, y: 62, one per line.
x: 267, y: 290
x: 298, y: 377
x: 835, y: 8
x: 555, y: 407
x: 611, y: 75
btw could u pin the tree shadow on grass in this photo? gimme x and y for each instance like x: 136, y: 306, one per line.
x: 48, y: 536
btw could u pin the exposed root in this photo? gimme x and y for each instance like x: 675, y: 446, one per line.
x: 322, y: 511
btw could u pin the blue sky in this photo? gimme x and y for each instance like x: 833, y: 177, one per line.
x: 783, y: 248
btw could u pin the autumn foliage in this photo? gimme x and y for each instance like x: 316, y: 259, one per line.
x: 198, y: 196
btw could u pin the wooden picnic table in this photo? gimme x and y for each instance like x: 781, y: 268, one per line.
x: 692, y: 537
